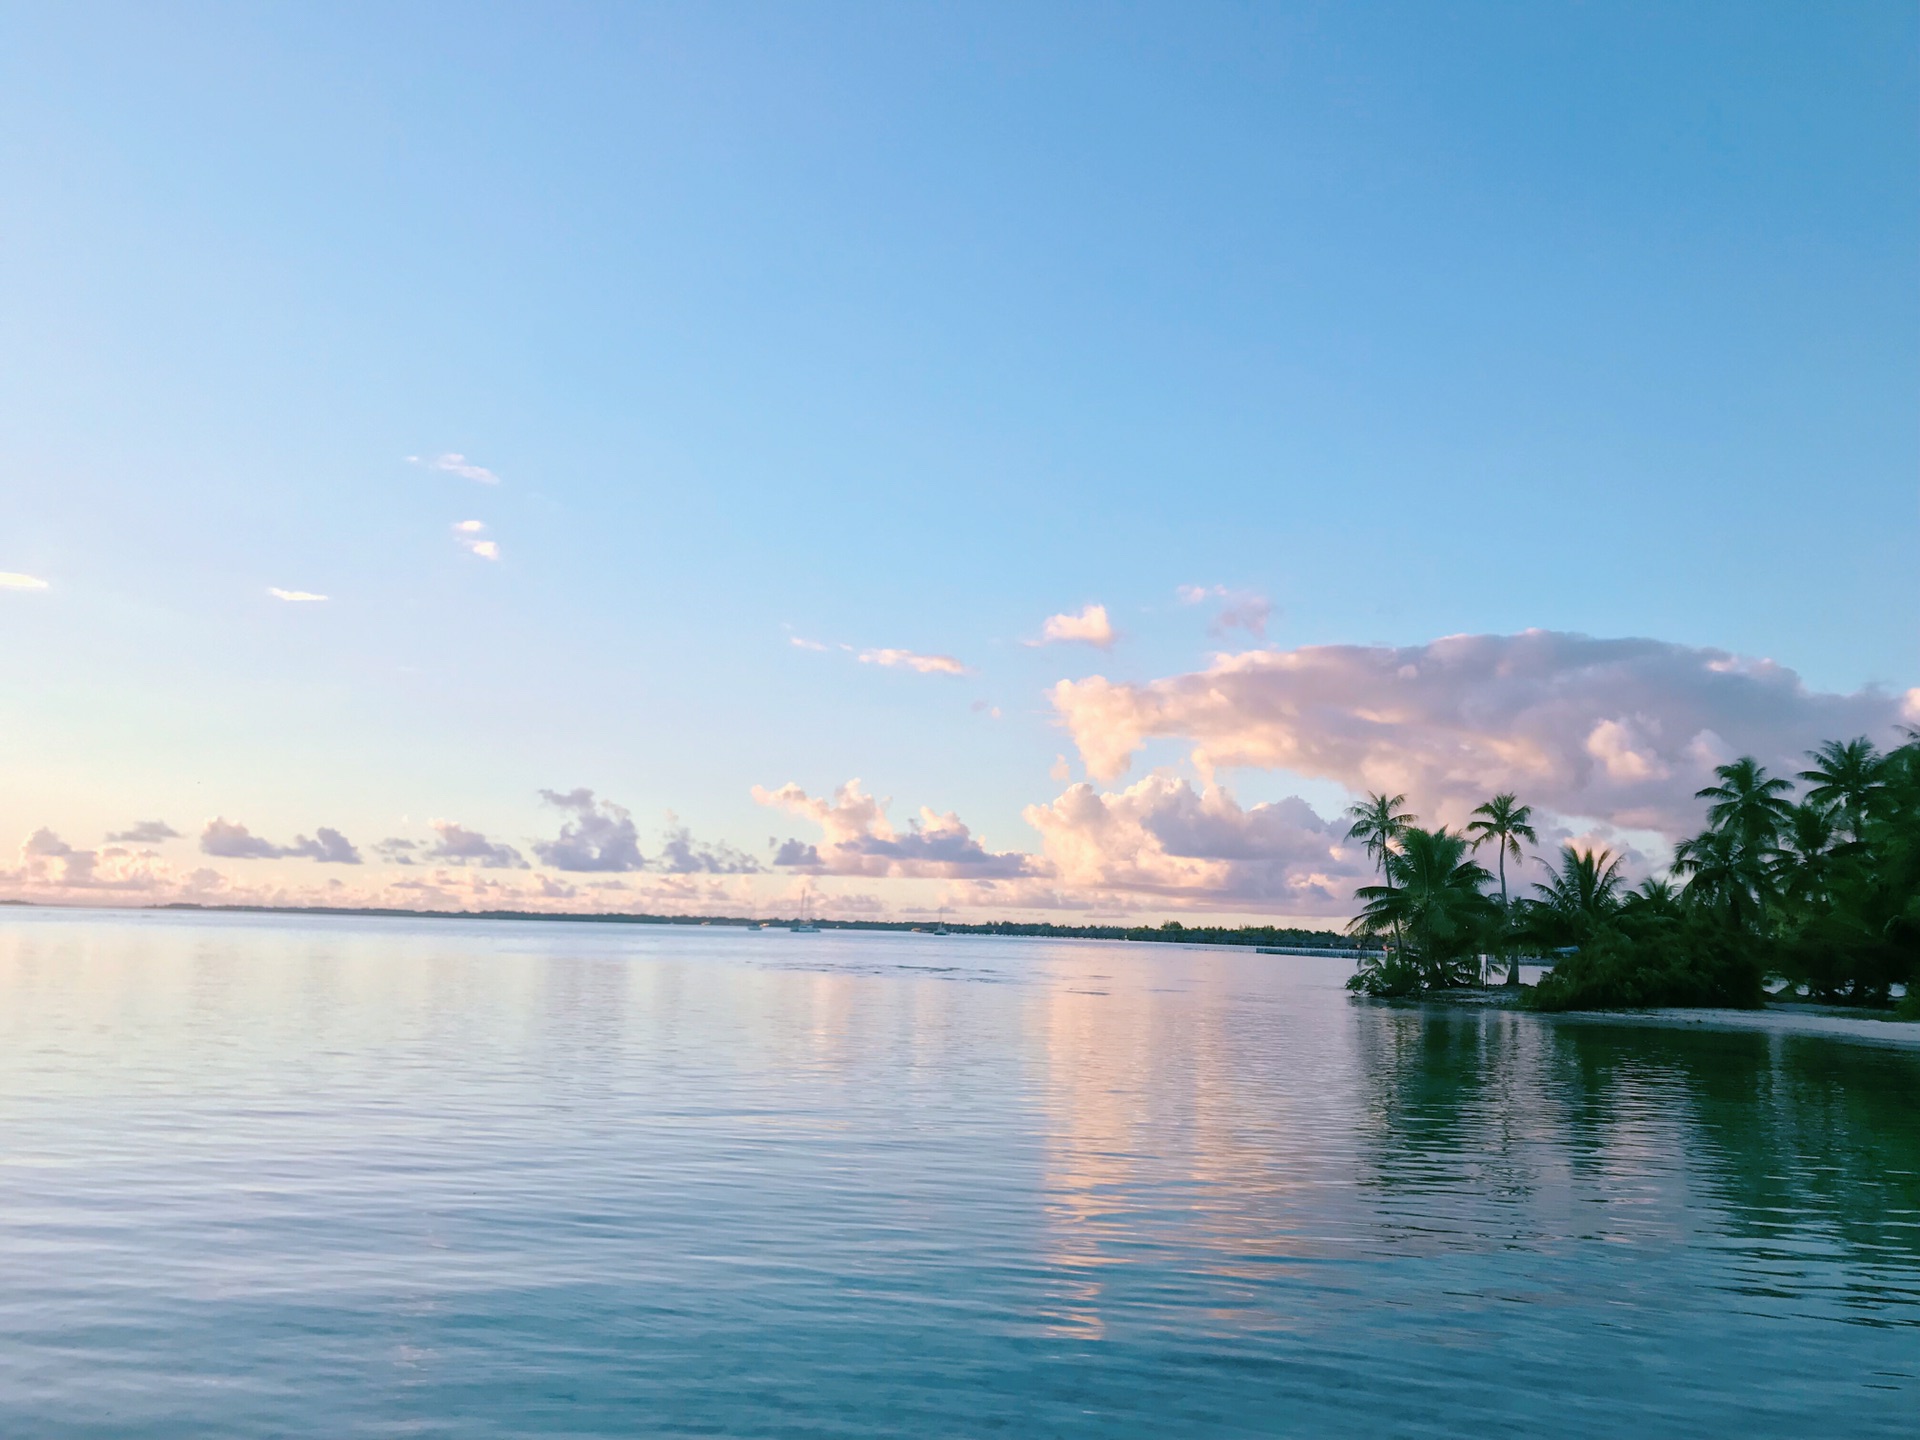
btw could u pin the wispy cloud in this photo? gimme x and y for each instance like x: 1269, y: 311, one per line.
x: 297, y: 597
x: 910, y: 660
x: 12, y: 580
x: 468, y: 533
x: 800, y: 642
x: 1090, y: 627
x: 453, y: 463
x: 1246, y: 610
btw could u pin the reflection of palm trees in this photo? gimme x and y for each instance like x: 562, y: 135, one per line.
x: 1782, y: 1137
x: 1450, y: 1099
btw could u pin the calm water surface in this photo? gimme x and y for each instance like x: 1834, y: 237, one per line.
x: 281, y: 1177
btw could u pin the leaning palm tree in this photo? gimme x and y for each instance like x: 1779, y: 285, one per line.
x: 1505, y: 822
x: 1747, y: 803
x: 1378, y: 823
x: 1846, y: 777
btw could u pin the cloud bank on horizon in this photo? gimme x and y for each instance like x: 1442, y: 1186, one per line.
x: 1607, y: 738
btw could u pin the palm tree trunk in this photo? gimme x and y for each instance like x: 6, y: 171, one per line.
x: 1506, y: 926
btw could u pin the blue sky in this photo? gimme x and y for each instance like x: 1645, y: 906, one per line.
x: 907, y: 327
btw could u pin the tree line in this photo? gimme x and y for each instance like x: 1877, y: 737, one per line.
x: 1819, y: 891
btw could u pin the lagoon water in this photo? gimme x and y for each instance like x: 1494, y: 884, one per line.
x: 282, y: 1176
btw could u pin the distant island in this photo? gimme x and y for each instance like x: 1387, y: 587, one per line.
x: 1168, y: 931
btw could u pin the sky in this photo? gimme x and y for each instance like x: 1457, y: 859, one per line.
x: 1027, y: 460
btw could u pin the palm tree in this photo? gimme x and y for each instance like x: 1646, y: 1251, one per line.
x: 1799, y: 868
x: 1378, y: 823
x: 1747, y: 802
x: 1432, y: 901
x: 1583, y: 891
x: 1846, y: 777
x: 1723, y: 875
x: 1504, y: 821
x: 1653, y: 896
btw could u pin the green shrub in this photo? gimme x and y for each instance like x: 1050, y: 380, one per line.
x: 1388, y: 976
x: 1691, y: 964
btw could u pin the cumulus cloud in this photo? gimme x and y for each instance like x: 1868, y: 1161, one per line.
x: 145, y: 832
x: 457, y: 845
x: 230, y: 840
x: 681, y: 854
x: 1090, y: 627
x: 456, y: 464
x: 1621, y: 731
x: 1161, y: 837
x: 1239, y: 609
x: 50, y: 863
x: 924, y: 664
x: 599, y: 836
x: 295, y: 597
x: 858, y: 839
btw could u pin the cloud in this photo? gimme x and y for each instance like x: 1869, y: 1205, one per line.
x: 1090, y: 627
x: 1240, y: 609
x: 800, y: 642
x: 297, y: 597
x: 457, y: 845
x: 467, y: 534
x: 145, y: 832
x: 599, y: 837
x: 797, y: 854
x: 456, y: 464
x: 230, y: 840
x: 1161, y: 837
x: 12, y: 580
x: 50, y: 863
x: 681, y: 854
x: 1621, y: 731
x: 924, y: 664
x: 858, y: 839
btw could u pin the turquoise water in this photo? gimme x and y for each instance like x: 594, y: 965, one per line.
x: 342, y: 1177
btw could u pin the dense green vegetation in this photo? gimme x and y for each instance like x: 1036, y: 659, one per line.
x: 1821, y: 892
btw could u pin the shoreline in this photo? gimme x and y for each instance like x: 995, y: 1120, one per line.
x: 1796, y: 1018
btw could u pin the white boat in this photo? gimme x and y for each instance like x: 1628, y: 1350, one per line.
x: 804, y: 925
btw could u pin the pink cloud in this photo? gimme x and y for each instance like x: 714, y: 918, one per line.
x: 1162, y: 837
x: 858, y: 839
x: 1622, y: 731
x: 910, y: 660
x: 1090, y: 627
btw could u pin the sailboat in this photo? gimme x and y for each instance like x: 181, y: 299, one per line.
x: 804, y: 925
